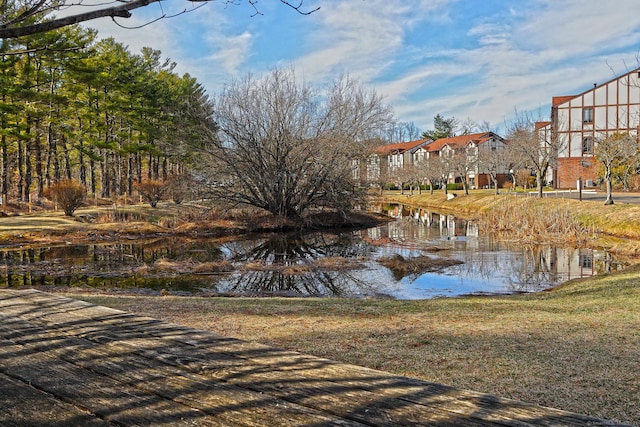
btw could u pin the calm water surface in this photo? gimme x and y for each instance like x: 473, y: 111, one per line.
x: 301, y: 264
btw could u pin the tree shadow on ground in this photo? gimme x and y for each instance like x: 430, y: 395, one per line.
x: 66, y: 362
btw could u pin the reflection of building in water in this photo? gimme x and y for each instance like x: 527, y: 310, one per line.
x: 421, y: 224
x: 374, y: 233
x: 576, y: 263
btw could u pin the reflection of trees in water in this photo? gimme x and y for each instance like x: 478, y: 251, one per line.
x: 172, y: 249
x: 114, y: 254
x: 533, y: 271
x: 296, y: 249
x: 544, y: 267
x: 480, y: 264
x: 311, y: 283
x: 533, y: 268
x: 48, y: 265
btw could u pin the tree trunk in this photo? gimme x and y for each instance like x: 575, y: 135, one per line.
x: 81, y: 164
x: 539, y: 184
x: 92, y: 174
x: 28, y: 176
x: 104, y: 174
x: 609, y: 186
x: 38, y: 149
x: 20, y: 169
x: 139, y: 166
x: 118, y: 175
x: 130, y: 174
x: 5, y: 171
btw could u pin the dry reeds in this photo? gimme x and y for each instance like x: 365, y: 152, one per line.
x: 527, y: 220
x: 401, y: 266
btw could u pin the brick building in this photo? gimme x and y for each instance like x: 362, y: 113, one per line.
x: 580, y: 121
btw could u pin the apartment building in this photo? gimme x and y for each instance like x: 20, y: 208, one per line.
x: 580, y: 121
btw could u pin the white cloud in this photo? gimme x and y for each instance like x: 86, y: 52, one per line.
x: 363, y: 38
x: 490, y: 34
x: 232, y: 52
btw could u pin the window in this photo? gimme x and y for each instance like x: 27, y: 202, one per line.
x: 587, y: 115
x: 587, y: 145
x: 585, y: 260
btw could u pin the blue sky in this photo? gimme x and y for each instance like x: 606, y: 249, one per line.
x: 471, y: 59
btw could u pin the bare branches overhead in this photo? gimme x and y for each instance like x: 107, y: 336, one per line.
x: 25, y: 17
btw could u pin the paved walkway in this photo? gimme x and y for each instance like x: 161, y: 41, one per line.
x: 592, y: 195
x: 69, y: 363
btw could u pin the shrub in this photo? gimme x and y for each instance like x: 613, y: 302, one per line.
x: 68, y: 194
x: 179, y: 186
x: 152, y: 191
x: 390, y: 186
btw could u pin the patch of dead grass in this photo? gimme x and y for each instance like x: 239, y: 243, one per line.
x: 401, y: 266
x: 337, y: 263
x: 191, y: 266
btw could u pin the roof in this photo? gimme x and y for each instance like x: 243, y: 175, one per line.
x: 557, y: 100
x: 401, y: 147
x: 540, y: 125
x: 461, y: 141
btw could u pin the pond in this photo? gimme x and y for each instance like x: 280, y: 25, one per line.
x: 455, y: 260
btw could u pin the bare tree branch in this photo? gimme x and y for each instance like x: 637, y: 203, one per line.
x: 18, y: 25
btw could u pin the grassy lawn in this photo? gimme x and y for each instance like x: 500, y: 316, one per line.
x: 575, y: 348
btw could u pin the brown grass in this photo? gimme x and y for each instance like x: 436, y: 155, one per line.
x: 190, y: 266
x: 338, y: 263
x: 575, y: 348
x: 326, y: 263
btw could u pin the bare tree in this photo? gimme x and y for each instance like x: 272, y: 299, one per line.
x: 431, y: 169
x: 408, y: 174
x: 403, y: 132
x: 522, y: 177
x: 530, y: 150
x: 613, y: 151
x: 25, y: 17
x: 285, y: 148
x: 493, y: 163
x: 463, y: 162
x: 467, y: 127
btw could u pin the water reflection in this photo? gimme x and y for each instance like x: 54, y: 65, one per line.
x: 298, y: 273
x: 489, y: 265
x: 312, y: 264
